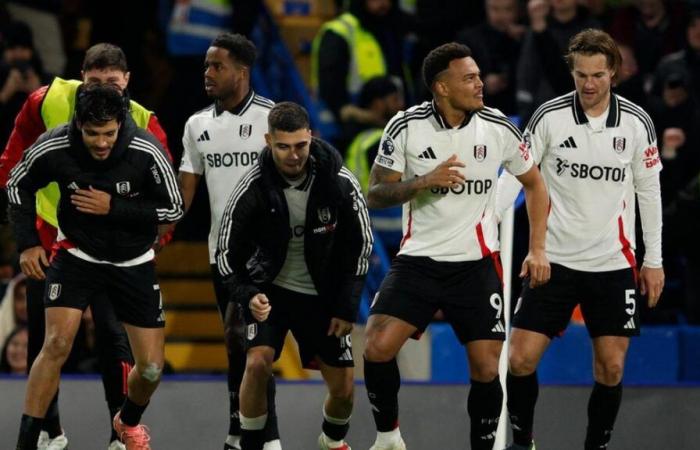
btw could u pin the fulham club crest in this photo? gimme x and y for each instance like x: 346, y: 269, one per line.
x: 123, y: 187
x: 54, y: 291
x: 619, y: 144
x: 480, y: 152
x: 245, y: 130
x: 252, y: 331
x: 324, y: 214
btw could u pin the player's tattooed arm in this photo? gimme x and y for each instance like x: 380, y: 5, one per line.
x: 387, y: 189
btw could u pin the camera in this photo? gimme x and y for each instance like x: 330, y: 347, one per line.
x: 22, y: 66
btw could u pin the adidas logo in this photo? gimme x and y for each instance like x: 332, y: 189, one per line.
x: 630, y: 325
x: 427, y: 154
x: 498, y: 328
x: 569, y: 143
x: 204, y: 137
x: 489, y: 437
x: 347, y: 355
x: 73, y: 186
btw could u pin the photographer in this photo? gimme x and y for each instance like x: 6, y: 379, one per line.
x: 21, y: 73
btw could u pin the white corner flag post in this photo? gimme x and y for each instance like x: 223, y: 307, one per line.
x: 507, y: 261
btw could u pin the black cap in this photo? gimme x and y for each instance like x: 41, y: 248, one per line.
x: 17, y: 34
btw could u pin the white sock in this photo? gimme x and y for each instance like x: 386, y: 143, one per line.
x: 385, y: 438
x: 335, y: 420
x: 253, y: 423
x: 273, y: 445
x: 331, y: 443
x: 233, y: 441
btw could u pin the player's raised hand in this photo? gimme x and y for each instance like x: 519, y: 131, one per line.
x: 446, y: 174
x: 538, y: 11
x: 651, y: 283
x: 260, y: 307
x: 537, y: 266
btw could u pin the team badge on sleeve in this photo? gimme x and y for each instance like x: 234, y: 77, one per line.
x: 388, y: 146
x: 480, y: 152
x: 245, y: 130
x: 619, y: 144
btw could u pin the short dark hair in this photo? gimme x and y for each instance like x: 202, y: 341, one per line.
x: 376, y: 88
x: 591, y: 42
x: 439, y: 59
x: 99, y: 104
x: 240, y: 48
x: 287, y: 116
x: 105, y: 56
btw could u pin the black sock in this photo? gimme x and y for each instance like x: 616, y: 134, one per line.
x: 602, y: 410
x: 484, y: 407
x: 131, y: 412
x: 29, y: 430
x: 522, y: 397
x: 52, y: 421
x: 382, y: 380
x: 113, y: 412
x: 234, y: 424
x: 271, y: 430
x: 252, y: 439
x: 236, y: 368
x: 115, y: 378
x: 335, y: 428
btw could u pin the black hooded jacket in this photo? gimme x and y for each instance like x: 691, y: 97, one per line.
x: 255, y: 232
x: 137, y: 174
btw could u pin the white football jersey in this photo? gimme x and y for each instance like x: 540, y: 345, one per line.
x: 590, y: 172
x: 223, y: 146
x: 458, y: 223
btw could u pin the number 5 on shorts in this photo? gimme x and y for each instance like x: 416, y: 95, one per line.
x: 629, y: 300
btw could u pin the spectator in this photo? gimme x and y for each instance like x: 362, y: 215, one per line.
x: 364, y: 42
x: 552, y: 24
x: 629, y: 82
x: 384, y: 98
x: 8, y: 250
x: 496, y: 45
x: 602, y: 10
x: 685, y: 61
x: 13, y: 309
x: 652, y: 28
x: 437, y: 22
x: 675, y: 114
x: 682, y: 220
x: 14, y: 353
x: 21, y: 73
